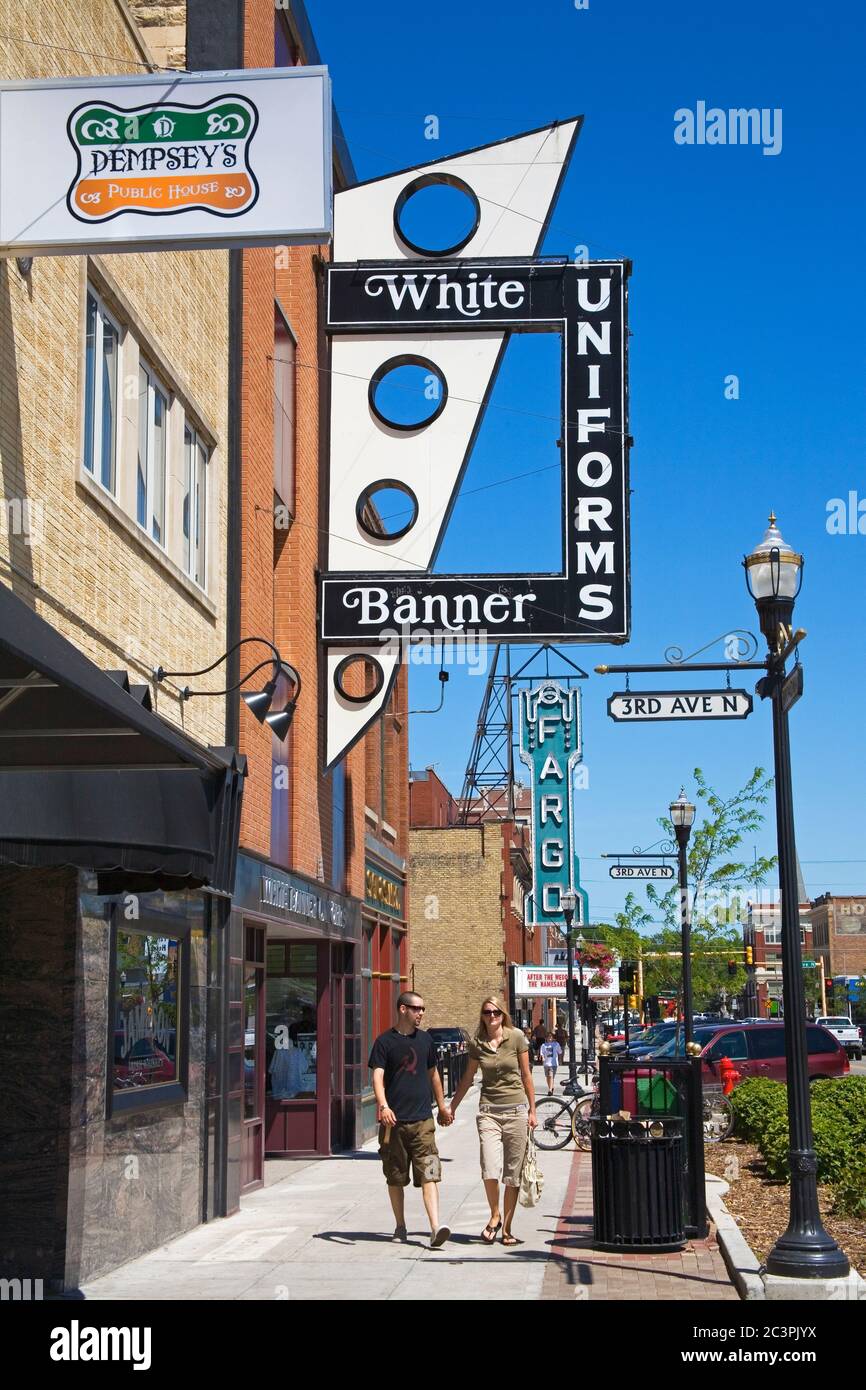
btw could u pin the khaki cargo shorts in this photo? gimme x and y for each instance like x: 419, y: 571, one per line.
x: 503, y: 1134
x: 409, y: 1145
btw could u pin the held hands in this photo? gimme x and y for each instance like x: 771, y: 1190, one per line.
x: 446, y: 1116
x: 387, y: 1116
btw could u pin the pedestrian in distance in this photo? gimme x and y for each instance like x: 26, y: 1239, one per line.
x: 506, y: 1111
x: 551, y: 1056
x: 405, y: 1082
x: 539, y: 1035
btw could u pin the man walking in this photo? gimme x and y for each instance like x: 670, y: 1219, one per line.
x: 403, y: 1062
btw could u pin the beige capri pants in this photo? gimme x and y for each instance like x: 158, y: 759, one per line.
x: 503, y: 1132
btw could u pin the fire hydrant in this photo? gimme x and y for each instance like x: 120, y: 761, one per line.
x: 729, y: 1075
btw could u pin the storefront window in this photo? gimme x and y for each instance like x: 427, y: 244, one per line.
x: 146, y: 984
x: 291, y: 1008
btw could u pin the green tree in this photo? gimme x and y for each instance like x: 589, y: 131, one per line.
x: 718, y: 880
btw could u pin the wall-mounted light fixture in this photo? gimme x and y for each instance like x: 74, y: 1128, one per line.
x: 258, y: 702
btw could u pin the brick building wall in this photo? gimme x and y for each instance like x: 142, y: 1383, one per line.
x: 455, y: 921
x: 90, y: 570
x: 839, y: 925
x: 430, y: 802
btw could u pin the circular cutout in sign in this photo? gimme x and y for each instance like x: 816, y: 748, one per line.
x: 449, y: 219
x: 393, y: 496
x: 374, y: 677
x: 407, y: 392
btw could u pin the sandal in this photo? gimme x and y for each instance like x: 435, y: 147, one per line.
x: 509, y: 1239
x: 490, y: 1238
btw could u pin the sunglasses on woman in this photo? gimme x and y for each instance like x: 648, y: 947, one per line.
x: 491, y: 1013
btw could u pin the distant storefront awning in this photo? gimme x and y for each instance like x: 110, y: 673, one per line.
x: 91, y: 777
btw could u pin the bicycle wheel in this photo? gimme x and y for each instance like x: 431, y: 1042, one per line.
x: 718, y: 1118
x: 553, y: 1130
x: 581, y: 1130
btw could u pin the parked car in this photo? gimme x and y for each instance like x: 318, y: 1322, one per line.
x: 759, y: 1050
x: 443, y: 1036
x: 846, y: 1032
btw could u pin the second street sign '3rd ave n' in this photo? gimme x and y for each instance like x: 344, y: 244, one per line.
x: 641, y: 871
x: 627, y: 706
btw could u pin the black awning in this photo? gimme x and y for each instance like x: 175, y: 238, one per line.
x: 91, y: 777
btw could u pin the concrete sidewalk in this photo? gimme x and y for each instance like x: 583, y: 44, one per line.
x: 321, y: 1229
x: 323, y: 1232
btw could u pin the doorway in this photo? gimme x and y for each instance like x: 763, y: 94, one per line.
x: 253, y: 1136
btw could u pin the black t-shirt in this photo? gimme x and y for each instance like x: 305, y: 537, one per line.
x: 406, y: 1061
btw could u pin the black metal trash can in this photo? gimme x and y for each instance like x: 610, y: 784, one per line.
x: 637, y: 1184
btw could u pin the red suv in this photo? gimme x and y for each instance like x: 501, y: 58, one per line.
x: 758, y: 1049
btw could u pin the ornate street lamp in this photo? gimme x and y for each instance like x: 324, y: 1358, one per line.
x: 774, y: 573
x: 682, y: 813
x: 568, y: 903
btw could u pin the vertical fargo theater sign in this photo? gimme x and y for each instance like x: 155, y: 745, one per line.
x: 152, y: 162
x: 389, y: 302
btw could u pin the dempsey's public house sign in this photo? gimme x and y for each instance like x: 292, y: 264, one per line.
x: 149, y: 162
x: 551, y: 745
x: 391, y: 302
x: 166, y: 158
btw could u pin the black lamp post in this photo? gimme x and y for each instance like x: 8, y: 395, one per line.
x: 568, y: 903
x: 578, y: 946
x: 774, y: 574
x: 683, y: 818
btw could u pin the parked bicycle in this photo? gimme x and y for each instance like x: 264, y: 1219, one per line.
x: 562, y: 1120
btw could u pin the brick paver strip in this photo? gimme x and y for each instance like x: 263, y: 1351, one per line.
x: 576, y: 1270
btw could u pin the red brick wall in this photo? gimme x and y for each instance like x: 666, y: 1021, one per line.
x: 278, y: 584
x: 431, y: 803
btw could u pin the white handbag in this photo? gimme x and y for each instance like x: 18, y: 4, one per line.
x: 531, y: 1177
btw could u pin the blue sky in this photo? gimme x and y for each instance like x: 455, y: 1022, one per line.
x: 744, y: 264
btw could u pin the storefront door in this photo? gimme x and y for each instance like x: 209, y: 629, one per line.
x: 252, y: 1142
x: 298, y: 1056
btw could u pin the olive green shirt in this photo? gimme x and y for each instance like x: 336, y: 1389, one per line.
x: 501, y: 1083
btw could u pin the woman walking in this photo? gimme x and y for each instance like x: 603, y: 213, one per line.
x: 506, y: 1111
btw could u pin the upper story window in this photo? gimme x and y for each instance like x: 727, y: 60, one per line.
x: 101, y: 374
x: 152, y: 436
x: 195, y: 504
x: 284, y: 413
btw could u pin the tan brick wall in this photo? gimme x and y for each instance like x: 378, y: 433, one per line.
x: 90, y: 576
x: 163, y: 24
x: 456, y: 938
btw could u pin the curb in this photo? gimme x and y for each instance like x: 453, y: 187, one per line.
x: 742, y: 1263
x: 746, y: 1271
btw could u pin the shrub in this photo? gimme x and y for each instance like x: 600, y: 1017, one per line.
x: 838, y: 1126
x: 754, y: 1102
x: 849, y: 1192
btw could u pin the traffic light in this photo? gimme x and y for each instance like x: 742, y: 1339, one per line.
x: 632, y: 1001
x: 828, y: 984
x: 750, y: 956
x: 732, y: 967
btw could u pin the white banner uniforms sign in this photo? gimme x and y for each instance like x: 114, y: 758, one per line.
x: 389, y: 303
x: 187, y: 160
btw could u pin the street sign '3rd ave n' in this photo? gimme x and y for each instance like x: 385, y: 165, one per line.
x: 627, y: 707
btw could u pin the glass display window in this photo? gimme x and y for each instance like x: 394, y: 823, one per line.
x: 291, y: 1009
